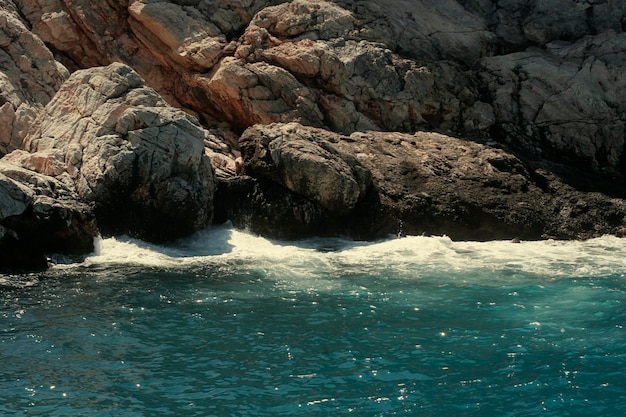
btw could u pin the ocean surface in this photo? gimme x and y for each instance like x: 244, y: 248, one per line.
x: 228, y: 324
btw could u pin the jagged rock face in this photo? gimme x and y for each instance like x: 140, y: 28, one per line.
x: 29, y: 77
x: 352, y: 65
x: 541, y: 78
x: 122, y: 148
x: 39, y: 216
x: 520, y: 23
x: 565, y: 102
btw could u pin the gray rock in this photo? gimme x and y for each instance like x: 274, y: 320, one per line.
x: 564, y: 103
x: 29, y: 77
x: 114, y: 141
x: 541, y: 78
x: 425, y: 183
x: 306, y: 162
x: 40, y: 216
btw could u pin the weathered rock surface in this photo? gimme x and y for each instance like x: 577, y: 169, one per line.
x: 40, y: 216
x: 542, y: 79
x: 29, y: 77
x: 140, y: 162
x: 305, y: 162
x: 468, y: 67
x: 422, y: 183
x: 564, y: 103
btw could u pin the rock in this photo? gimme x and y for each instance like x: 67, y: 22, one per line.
x: 520, y: 23
x: 122, y: 148
x: 40, y: 216
x: 364, y: 85
x: 305, y: 162
x: 169, y: 31
x: 540, y: 78
x: 29, y: 77
x: 85, y: 31
x: 246, y: 94
x: 465, y: 67
x: 427, y: 30
x: 563, y: 103
x: 268, y: 208
x: 305, y: 19
x: 425, y: 183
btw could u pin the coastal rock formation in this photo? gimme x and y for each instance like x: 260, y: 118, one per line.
x: 29, y: 77
x: 394, y: 183
x: 305, y: 162
x: 564, y: 102
x: 307, y: 111
x: 140, y: 162
x: 472, y: 68
x: 40, y: 216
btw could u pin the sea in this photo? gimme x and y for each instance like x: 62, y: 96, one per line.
x: 226, y: 323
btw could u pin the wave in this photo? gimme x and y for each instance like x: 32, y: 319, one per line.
x: 405, y: 256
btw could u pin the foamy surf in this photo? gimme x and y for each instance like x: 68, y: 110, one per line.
x: 408, y: 256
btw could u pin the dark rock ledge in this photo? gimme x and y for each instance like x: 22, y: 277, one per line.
x: 302, y: 181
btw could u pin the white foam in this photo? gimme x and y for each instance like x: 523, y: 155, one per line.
x: 411, y: 255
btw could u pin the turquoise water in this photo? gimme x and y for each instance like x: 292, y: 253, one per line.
x: 228, y: 324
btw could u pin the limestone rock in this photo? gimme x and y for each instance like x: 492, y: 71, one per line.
x: 305, y: 162
x: 122, y: 148
x: 40, y: 216
x: 564, y: 103
x: 29, y: 77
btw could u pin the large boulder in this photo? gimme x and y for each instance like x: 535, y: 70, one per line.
x: 40, y: 216
x: 140, y: 162
x: 305, y: 162
x: 373, y: 184
x: 438, y: 184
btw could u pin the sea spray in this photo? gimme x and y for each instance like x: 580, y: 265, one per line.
x: 594, y: 257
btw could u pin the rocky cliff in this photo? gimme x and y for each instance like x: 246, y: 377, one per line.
x: 476, y: 119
